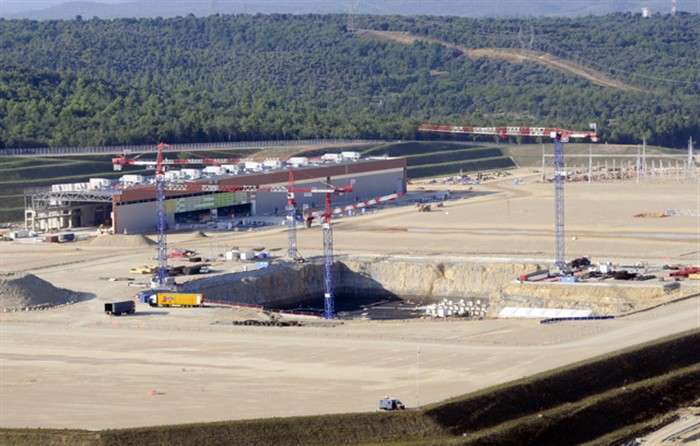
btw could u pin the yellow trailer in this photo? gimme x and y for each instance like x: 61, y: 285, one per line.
x: 695, y: 276
x: 166, y: 299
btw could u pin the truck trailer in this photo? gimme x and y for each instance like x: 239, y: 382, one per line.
x: 119, y: 308
x: 169, y: 299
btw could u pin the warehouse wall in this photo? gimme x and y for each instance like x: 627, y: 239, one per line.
x: 366, y: 186
x: 141, y: 217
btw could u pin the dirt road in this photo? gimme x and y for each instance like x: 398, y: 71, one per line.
x: 510, y: 55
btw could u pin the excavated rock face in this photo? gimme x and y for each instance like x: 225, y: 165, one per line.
x: 422, y: 281
x: 20, y: 292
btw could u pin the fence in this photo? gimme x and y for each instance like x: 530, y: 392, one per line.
x: 151, y: 148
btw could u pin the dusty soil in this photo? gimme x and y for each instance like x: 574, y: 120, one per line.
x: 77, y: 367
x: 510, y: 55
x: 21, y: 291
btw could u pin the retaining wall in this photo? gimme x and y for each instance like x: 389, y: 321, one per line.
x: 423, y: 281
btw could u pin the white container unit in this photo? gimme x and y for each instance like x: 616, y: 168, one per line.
x: 331, y: 158
x: 272, y: 163
x: 99, y: 183
x: 298, y: 161
x: 213, y: 170
x: 192, y: 174
x: 230, y: 168
x: 172, y: 175
x: 350, y: 156
x: 131, y: 179
x: 253, y: 166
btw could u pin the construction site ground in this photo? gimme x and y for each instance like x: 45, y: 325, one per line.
x: 74, y: 366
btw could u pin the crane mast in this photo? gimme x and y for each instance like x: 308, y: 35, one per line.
x: 559, y: 137
x: 328, y: 285
x: 292, y: 252
x: 162, y: 273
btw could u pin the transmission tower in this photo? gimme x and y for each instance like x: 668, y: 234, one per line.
x: 353, y: 7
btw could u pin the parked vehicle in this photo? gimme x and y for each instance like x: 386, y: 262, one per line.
x: 391, y: 404
x: 119, y: 308
x: 169, y: 299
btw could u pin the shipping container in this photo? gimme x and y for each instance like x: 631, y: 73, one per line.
x: 176, y: 300
x: 119, y: 308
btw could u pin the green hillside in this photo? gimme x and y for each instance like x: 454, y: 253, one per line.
x: 221, y: 78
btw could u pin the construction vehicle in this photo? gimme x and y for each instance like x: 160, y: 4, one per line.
x: 169, y: 299
x: 119, y: 308
x: 388, y: 403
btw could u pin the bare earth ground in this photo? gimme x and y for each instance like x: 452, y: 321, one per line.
x: 76, y: 367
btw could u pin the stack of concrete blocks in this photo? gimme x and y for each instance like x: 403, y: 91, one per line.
x: 474, y: 308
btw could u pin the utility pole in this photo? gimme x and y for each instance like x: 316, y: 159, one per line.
x: 352, y: 14
x: 690, y: 157
x: 590, y: 163
x: 544, y: 165
x: 644, y: 157
x: 637, y: 166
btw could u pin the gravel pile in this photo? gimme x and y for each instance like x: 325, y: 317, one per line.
x: 18, y: 292
x: 121, y: 241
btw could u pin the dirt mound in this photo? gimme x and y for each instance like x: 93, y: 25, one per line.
x: 28, y: 291
x: 122, y: 241
x: 200, y: 234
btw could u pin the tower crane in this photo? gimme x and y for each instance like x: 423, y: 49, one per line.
x: 326, y: 223
x: 559, y: 137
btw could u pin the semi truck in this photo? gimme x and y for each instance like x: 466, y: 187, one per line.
x: 170, y: 299
x: 119, y: 308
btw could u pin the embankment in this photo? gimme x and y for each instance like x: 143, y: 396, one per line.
x: 425, y: 280
x: 598, y: 401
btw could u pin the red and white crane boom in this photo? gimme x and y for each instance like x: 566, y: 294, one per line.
x: 547, y: 132
x: 559, y: 137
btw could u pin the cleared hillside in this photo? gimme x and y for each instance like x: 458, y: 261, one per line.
x: 512, y: 55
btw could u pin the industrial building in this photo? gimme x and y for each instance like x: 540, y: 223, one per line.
x: 128, y: 204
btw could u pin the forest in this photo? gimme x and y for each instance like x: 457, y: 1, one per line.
x: 248, y: 77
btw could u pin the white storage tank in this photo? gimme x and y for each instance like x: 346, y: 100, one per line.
x: 298, y: 161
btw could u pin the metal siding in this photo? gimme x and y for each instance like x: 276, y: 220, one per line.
x: 140, y: 217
